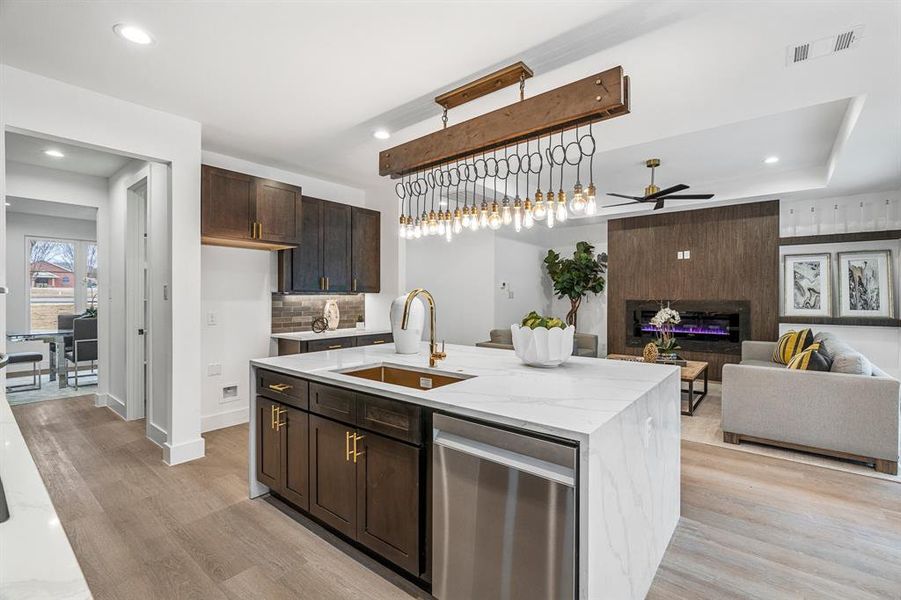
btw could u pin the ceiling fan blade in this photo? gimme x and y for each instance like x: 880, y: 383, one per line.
x: 659, y: 204
x: 636, y: 198
x: 690, y: 197
x: 667, y: 191
x: 622, y: 204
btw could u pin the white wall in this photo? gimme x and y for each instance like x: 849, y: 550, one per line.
x: 874, y: 211
x: 18, y: 226
x: 235, y: 286
x: 35, y: 104
x: 460, y: 276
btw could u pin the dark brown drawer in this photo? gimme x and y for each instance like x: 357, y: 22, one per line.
x: 283, y: 388
x: 376, y: 338
x: 333, y: 402
x: 330, y: 344
x: 389, y: 417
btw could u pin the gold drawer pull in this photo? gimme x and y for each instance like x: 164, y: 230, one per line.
x: 278, y: 418
x: 348, y: 453
x: 378, y: 342
x: 280, y: 387
x: 335, y: 346
x: 273, y: 411
x: 357, y: 455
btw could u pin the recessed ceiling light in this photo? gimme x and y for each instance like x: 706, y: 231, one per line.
x: 133, y: 34
x: 771, y: 160
x: 381, y: 134
x: 54, y: 153
x: 8, y: 204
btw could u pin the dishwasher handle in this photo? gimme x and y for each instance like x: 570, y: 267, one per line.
x: 514, y: 460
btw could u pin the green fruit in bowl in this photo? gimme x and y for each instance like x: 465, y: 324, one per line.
x: 533, y: 321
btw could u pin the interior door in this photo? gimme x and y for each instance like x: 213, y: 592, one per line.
x: 388, y: 499
x: 332, y: 475
x: 295, y: 451
x: 137, y: 305
x: 336, y: 244
x: 365, y: 250
x: 269, y: 454
x: 306, y: 260
x: 278, y: 207
x: 227, y: 203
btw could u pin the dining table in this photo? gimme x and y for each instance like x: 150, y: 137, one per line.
x: 58, y: 363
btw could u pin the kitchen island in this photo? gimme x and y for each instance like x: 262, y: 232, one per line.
x: 622, y: 417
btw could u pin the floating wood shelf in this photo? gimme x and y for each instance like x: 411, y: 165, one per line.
x: 838, y: 238
x: 851, y: 321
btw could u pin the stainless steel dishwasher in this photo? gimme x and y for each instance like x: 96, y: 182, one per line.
x: 504, y: 514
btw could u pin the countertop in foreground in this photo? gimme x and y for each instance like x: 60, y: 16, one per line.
x: 571, y: 401
x: 36, y: 560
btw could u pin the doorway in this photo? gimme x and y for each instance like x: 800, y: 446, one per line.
x: 137, y: 312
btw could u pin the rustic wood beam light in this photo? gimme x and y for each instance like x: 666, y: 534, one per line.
x: 596, y: 98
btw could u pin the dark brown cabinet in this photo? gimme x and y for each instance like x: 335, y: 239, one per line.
x: 282, y: 450
x: 301, y: 346
x: 333, y: 475
x: 339, y: 250
x: 388, y: 499
x: 249, y: 212
x: 365, y: 250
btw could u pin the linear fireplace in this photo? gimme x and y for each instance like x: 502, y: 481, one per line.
x: 707, y: 325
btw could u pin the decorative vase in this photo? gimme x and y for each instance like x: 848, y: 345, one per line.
x: 651, y: 353
x: 332, y: 314
x: 407, y: 341
x: 543, y: 347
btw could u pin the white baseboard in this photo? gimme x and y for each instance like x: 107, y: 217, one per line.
x: 175, y: 454
x: 157, y: 435
x: 224, y: 419
x: 100, y: 400
x: 116, y: 405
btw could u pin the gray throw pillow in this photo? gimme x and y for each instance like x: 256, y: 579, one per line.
x: 831, y: 347
x: 852, y: 363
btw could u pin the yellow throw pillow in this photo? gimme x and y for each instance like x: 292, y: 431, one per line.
x: 791, y: 343
x: 809, y: 360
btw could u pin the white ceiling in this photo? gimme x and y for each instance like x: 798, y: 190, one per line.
x: 76, y: 159
x: 45, y: 208
x: 302, y: 85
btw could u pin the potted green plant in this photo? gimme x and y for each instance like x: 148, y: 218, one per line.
x: 576, y: 277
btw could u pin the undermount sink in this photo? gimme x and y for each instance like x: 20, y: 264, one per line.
x: 418, y: 379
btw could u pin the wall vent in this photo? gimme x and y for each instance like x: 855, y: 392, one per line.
x: 797, y: 53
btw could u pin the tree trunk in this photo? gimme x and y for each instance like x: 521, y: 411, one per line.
x: 571, y: 315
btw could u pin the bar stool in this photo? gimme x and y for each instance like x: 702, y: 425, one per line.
x: 35, y: 359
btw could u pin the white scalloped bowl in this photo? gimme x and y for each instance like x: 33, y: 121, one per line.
x: 543, y: 347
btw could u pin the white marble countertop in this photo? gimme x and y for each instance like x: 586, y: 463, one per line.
x: 304, y: 336
x: 36, y: 560
x: 571, y: 401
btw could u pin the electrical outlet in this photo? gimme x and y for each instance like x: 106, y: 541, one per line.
x: 687, y: 254
x: 680, y: 255
x: 229, y: 392
x: 211, y: 318
x: 213, y: 369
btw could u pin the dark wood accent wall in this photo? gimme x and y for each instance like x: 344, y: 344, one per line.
x: 734, y: 256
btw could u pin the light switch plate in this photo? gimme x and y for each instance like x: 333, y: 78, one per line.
x: 211, y: 318
x: 687, y: 254
x: 213, y: 369
x: 680, y: 255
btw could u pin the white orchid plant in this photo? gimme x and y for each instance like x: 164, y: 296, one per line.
x: 665, y: 321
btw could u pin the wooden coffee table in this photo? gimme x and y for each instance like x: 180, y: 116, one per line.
x: 690, y: 373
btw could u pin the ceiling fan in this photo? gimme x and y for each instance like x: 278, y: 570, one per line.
x: 654, y: 194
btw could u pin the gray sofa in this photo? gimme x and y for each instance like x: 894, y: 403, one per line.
x: 584, y: 344
x: 850, y: 412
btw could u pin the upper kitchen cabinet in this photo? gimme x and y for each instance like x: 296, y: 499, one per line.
x: 365, y: 250
x: 248, y: 212
x: 339, y: 250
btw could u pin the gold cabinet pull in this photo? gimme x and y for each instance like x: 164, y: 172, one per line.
x: 253, y: 230
x: 280, y: 387
x: 259, y: 230
x: 378, y: 342
x: 354, y: 285
x: 357, y: 455
x: 326, y: 283
x: 322, y: 283
x: 273, y: 411
x: 348, y: 453
x: 335, y: 346
x: 278, y: 418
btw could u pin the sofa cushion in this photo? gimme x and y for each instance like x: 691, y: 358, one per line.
x: 809, y: 360
x: 501, y: 336
x: 852, y: 363
x: 762, y: 363
x: 791, y: 343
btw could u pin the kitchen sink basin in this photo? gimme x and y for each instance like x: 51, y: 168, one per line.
x: 418, y: 379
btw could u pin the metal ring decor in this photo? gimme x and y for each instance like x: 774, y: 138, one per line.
x: 594, y: 145
x: 491, y: 171
x: 484, y: 172
x: 577, y: 152
x: 535, y: 161
x: 518, y: 168
x: 503, y: 162
x: 400, y: 191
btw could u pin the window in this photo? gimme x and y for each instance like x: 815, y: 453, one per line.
x: 62, y: 279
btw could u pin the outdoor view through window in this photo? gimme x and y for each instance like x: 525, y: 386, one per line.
x: 63, y: 280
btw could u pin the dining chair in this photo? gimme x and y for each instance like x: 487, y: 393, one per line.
x: 84, y: 345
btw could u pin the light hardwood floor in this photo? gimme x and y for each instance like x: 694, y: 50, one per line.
x: 752, y: 526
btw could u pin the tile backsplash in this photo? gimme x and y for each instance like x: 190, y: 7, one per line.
x: 296, y: 312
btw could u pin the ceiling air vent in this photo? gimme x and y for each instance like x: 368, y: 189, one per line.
x: 845, y: 40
